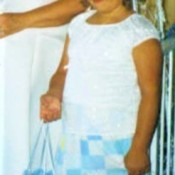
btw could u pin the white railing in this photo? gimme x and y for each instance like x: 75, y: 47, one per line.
x: 166, y: 139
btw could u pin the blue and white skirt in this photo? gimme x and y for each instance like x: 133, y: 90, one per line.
x: 91, y: 155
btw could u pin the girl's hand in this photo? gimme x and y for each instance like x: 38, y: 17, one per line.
x: 50, y: 108
x: 137, y: 162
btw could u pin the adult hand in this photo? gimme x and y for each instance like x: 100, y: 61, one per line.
x: 10, y: 23
x: 50, y: 108
x: 137, y: 162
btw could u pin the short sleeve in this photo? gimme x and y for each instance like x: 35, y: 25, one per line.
x: 143, y: 30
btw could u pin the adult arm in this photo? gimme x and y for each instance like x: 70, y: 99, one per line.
x: 50, y: 103
x: 148, y: 63
x: 54, y: 14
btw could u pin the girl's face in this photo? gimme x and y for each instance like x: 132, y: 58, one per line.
x: 105, y: 5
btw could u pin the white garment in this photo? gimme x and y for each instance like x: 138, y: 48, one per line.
x: 27, y: 61
x: 101, y: 93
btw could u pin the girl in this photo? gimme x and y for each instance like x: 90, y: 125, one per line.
x: 108, y: 98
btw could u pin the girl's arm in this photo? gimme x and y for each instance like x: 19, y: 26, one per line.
x: 56, y: 85
x: 148, y: 63
x: 50, y: 105
x: 54, y: 14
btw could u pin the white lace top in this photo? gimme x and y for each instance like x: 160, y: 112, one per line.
x: 101, y: 93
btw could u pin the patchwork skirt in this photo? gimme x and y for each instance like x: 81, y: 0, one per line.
x: 91, y: 155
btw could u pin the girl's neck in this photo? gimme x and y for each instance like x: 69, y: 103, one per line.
x: 118, y: 11
x: 116, y: 15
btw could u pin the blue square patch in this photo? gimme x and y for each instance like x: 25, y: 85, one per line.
x: 93, y: 162
x: 74, y: 172
x: 84, y: 147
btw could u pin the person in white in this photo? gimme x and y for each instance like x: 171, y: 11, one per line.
x: 27, y: 59
x: 106, y: 91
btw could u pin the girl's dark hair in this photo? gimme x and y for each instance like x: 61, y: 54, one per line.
x: 127, y: 3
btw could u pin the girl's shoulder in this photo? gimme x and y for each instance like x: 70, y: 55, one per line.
x: 77, y: 22
x: 142, y: 29
x: 139, y: 21
x: 82, y: 17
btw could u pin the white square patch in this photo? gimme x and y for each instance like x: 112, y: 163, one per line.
x: 72, y: 161
x: 95, y: 147
x: 114, y: 161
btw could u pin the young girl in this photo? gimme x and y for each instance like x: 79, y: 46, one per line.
x: 107, y: 92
